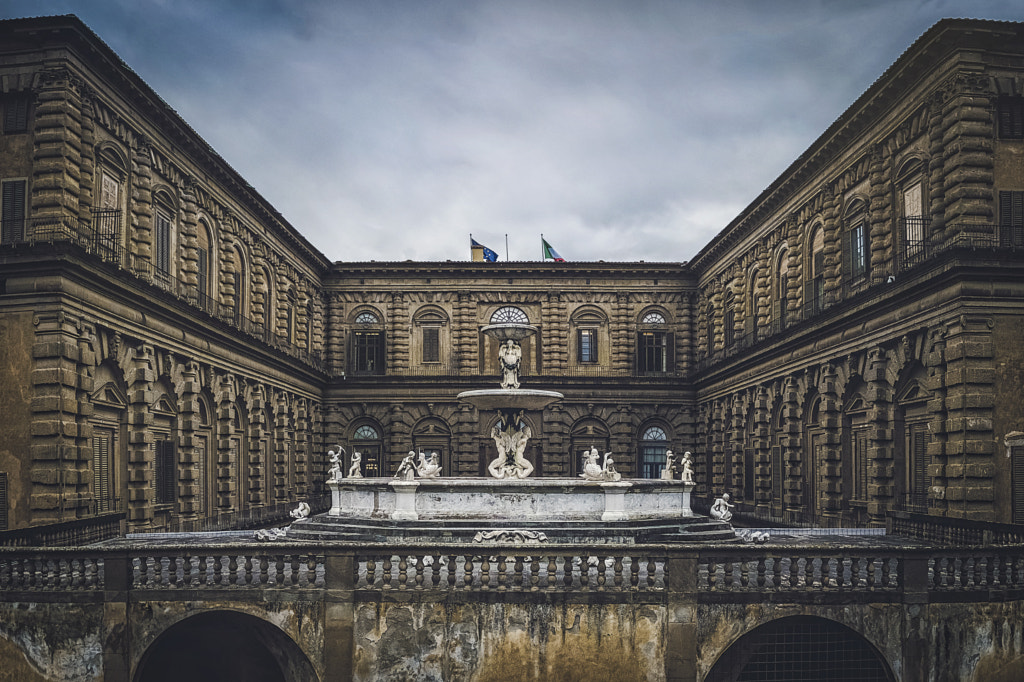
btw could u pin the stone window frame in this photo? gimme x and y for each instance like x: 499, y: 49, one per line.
x: 366, y: 322
x: 431, y: 320
x: 371, y: 449
x: 650, y: 458
x: 593, y: 321
x: 855, y: 219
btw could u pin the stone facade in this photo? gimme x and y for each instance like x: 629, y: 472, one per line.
x: 178, y: 352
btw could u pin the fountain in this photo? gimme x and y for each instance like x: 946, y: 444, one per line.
x: 599, y: 506
x: 510, y: 433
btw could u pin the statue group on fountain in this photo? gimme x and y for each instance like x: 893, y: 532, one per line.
x: 511, y: 444
x: 605, y: 471
x: 684, y: 467
x: 337, y: 460
x: 428, y: 466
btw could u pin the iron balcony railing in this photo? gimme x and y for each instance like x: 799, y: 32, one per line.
x: 909, y: 255
x: 101, y: 238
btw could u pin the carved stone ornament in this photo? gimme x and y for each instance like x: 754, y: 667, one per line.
x: 510, y: 536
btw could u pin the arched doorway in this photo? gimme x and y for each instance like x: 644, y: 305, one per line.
x: 224, y: 645
x: 801, y: 649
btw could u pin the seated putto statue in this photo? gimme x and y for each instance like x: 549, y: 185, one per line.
x: 407, y: 469
x: 300, y: 512
x: 687, y: 473
x: 336, y: 458
x: 355, y: 469
x: 720, y: 509
x: 608, y: 469
x: 669, y: 471
x: 429, y: 467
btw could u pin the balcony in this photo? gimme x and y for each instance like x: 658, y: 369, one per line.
x: 101, y: 239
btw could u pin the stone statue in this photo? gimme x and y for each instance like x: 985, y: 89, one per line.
x: 355, y: 469
x: 336, y: 459
x: 669, y: 471
x: 720, y: 509
x: 511, y: 444
x: 608, y: 469
x: 687, y: 474
x: 509, y: 356
x: 429, y: 467
x: 592, y: 471
x: 407, y: 469
x: 300, y: 512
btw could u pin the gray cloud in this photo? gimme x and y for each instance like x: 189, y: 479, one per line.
x: 619, y: 130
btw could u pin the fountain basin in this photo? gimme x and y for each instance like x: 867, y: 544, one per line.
x: 510, y: 399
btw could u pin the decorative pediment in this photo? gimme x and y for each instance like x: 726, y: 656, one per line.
x: 110, y: 395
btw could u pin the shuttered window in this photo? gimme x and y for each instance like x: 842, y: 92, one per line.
x: 917, y: 448
x: 3, y: 501
x: 431, y: 344
x: 165, y: 479
x: 860, y: 465
x: 1011, y: 218
x: 16, y: 114
x: 12, y: 211
x: 102, y: 475
x: 163, y: 243
x: 1017, y: 462
x: 1010, y: 116
x: 777, y: 474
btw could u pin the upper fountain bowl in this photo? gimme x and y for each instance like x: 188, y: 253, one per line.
x: 503, y: 331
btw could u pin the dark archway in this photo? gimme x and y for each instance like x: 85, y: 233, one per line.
x: 218, y: 646
x: 801, y: 649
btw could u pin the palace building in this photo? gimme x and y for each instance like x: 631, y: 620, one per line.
x: 176, y: 355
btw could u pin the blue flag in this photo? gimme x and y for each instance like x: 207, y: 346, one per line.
x: 481, y: 252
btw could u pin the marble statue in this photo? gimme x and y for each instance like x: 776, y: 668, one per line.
x: 608, y: 469
x: 591, y: 469
x: 720, y: 509
x: 336, y: 459
x: 669, y: 471
x: 604, y: 472
x: 687, y: 463
x: 510, y: 356
x: 429, y: 467
x: 511, y: 461
x: 355, y: 469
x: 407, y: 469
x: 300, y: 512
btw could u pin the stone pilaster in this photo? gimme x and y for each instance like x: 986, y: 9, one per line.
x: 879, y: 210
x: 555, y: 329
x: 935, y: 365
x: 968, y: 133
x: 228, y: 460
x: 188, y: 241
x: 623, y: 329
x: 971, y: 445
x: 139, y: 377
x: 881, y: 448
x: 189, y: 486
x: 792, y: 449
x: 831, y: 473
x: 140, y: 204
x: 88, y: 164
x: 761, y: 443
x: 57, y: 151
x: 831, y: 227
x: 399, y: 325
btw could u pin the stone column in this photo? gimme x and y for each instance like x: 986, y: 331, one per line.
x: 881, y: 451
x: 139, y: 376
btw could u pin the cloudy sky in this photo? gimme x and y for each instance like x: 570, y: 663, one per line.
x: 621, y: 130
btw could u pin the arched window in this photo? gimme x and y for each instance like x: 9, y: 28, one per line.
x: 430, y: 336
x: 367, y: 442
x: 729, y: 319
x: 163, y: 238
x: 204, y: 265
x: 433, y: 435
x: 910, y: 187
x: 165, y: 451
x: 238, y: 453
x: 108, y: 419
x: 111, y: 174
x: 912, y: 438
x: 814, y: 288
x: 586, y: 434
x: 856, y: 243
x: 780, y: 290
x: 654, y: 344
x: 591, y: 329
x: 750, y: 304
x: 237, y: 286
x: 368, y: 343
x: 509, y: 314
x: 653, y: 446
x: 203, y: 457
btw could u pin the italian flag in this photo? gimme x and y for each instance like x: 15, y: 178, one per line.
x: 549, y: 252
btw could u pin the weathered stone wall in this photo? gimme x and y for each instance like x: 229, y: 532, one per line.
x: 495, y: 641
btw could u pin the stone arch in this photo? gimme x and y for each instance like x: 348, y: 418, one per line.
x: 222, y: 645
x: 653, y: 439
x: 801, y: 647
x: 586, y: 433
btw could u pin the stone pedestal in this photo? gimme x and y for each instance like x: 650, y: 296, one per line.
x: 405, y: 500
x: 615, y: 501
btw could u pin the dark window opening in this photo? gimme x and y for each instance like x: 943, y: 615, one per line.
x: 587, y: 345
x: 12, y: 224
x: 1010, y: 117
x: 165, y: 479
x: 16, y: 114
x: 431, y: 344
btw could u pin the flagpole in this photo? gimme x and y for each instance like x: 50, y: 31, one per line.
x: 542, y: 253
x: 506, y: 247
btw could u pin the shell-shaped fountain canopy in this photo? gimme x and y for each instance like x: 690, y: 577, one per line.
x: 503, y: 331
